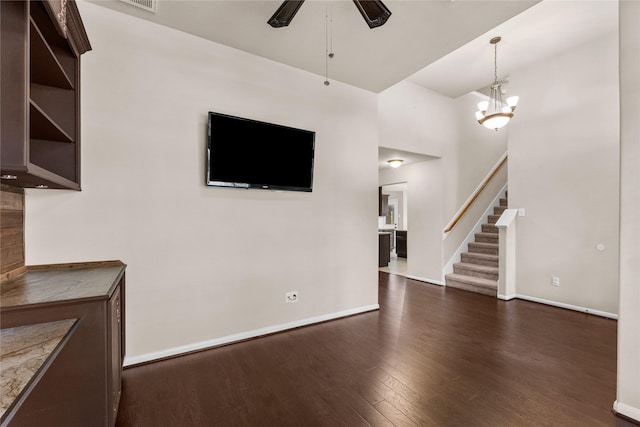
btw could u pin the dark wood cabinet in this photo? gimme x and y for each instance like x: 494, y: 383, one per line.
x: 40, y: 53
x: 81, y: 385
x: 116, y: 355
x: 384, y: 249
x: 401, y: 243
x: 383, y: 203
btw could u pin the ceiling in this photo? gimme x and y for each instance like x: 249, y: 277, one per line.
x: 418, y: 32
x: 424, y: 40
x: 385, y: 154
x: 544, y: 30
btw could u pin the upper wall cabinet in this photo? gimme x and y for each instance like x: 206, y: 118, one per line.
x: 383, y: 203
x: 40, y: 67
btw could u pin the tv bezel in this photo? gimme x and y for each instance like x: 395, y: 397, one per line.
x: 248, y: 186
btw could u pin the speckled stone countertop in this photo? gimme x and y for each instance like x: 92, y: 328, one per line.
x: 23, y: 352
x: 55, y: 283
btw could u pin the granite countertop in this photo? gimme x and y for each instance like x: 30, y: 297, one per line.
x: 56, y: 283
x: 23, y: 352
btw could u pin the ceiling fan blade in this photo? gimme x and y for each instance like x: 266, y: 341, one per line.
x: 285, y: 13
x: 374, y: 12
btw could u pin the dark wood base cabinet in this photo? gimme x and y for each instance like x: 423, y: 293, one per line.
x: 384, y: 249
x: 81, y: 384
x: 401, y: 243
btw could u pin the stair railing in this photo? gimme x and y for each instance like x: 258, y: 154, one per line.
x: 465, y: 207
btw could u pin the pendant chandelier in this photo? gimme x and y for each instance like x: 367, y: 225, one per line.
x: 495, y: 113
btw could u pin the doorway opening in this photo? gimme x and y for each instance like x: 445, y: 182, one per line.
x: 393, y: 221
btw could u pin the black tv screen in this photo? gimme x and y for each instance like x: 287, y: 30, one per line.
x: 245, y: 153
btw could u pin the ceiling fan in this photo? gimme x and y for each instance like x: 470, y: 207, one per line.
x: 374, y: 12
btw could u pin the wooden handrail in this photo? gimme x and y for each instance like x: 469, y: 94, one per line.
x: 476, y: 193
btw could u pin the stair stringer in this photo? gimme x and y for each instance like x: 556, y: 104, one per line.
x: 456, y: 257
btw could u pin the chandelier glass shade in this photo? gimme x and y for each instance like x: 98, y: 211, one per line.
x: 495, y: 113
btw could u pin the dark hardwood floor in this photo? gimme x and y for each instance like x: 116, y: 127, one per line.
x: 431, y: 356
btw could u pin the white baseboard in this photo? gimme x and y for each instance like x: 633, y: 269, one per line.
x: 568, y: 306
x: 507, y: 297
x: 627, y: 410
x: 423, y: 279
x: 175, y: 351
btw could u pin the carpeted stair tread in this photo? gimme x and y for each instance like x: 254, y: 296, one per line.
x: 485, y: 248
x: 493, y: 218
x: 473, y: 284
x: 487, y: 237
x: 480, y: 259
x: 503, y: 202
x: 475, y: 270
x: 490, y: 228
x: 498, y: 210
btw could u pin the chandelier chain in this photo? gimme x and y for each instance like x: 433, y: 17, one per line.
x: 495, y: 62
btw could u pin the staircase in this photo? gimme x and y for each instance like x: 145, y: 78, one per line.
x: 478, y: 269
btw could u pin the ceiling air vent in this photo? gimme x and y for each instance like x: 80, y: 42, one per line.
x: 149, y: 5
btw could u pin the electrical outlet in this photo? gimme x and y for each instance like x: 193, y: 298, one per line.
x: 555, y: 281
x: 291, y: 296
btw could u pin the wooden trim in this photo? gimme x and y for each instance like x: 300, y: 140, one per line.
x: 76, y: 29
x: 11, y: 189
x: 11, y: 232
x: 476, y: 193
x: 13, y: 273
x: 18, y: 271
x: 75, y: 265
x: 72, y: 29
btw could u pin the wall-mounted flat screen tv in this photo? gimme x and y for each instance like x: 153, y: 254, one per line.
x: 245, y: 153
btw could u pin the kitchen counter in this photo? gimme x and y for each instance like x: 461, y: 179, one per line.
x: 63, y: 344
x: 54, y: 283
x: 24, y: 353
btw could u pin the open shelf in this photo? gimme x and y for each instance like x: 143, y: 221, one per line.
x: 45, y: 67
x: 54, y: 156
x: 58, y: 104
x: 44, y: 127
x: 41, y: 105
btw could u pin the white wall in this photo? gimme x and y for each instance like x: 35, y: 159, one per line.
x: 628, y: 393
x: 563, y: 169
x: 204, y: 262
x: 412, y: 118
x: 415, y: 119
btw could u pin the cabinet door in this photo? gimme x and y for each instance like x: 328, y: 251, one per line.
x: 114, y: 355
x: 383, y: 203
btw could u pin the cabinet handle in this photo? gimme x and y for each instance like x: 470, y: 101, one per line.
x: 118, y: 309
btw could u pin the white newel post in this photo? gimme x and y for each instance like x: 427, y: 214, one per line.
x: 507, y: 261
